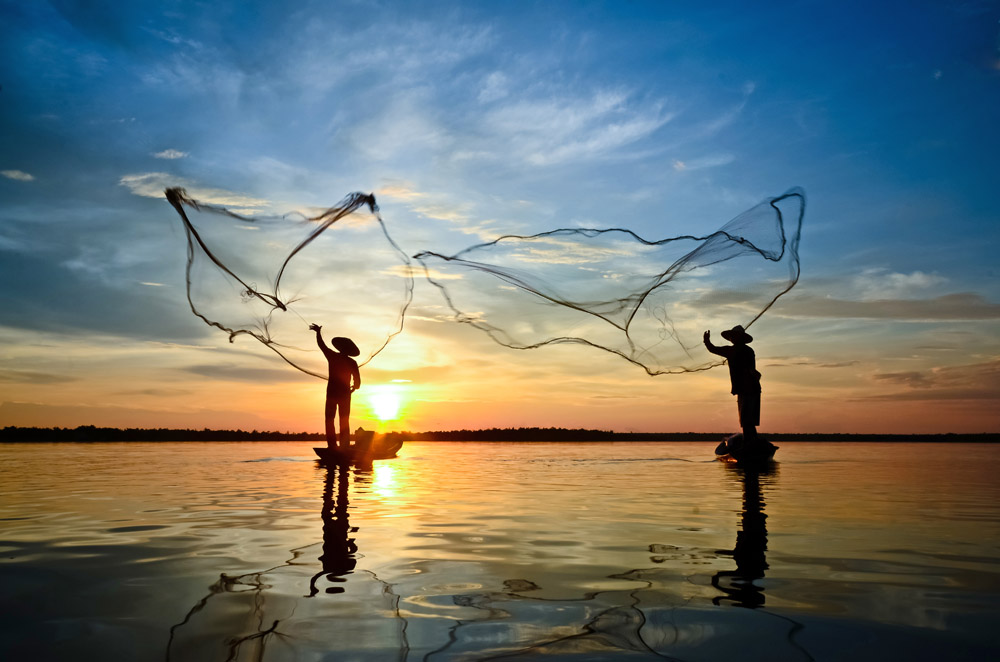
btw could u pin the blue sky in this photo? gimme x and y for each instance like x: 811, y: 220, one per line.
x: 470, y: 120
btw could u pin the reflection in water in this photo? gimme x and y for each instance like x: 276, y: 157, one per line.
x: 650, y: 621
x: 641, y: 613
x: 612, y: 631
x: 338, y: 560
x: 738, y: 586
x: 602, y: 552
x: 339, y: 549
x: 252, y: 582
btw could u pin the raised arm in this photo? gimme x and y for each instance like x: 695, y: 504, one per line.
x: 319, y: 340
x: 721, y: 351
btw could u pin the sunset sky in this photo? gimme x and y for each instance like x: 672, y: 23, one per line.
x: 472, y: 120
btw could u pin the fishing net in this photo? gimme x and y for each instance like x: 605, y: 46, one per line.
x: 647, y: 301
x: 269, y: 277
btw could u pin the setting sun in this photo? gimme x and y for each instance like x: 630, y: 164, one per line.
x: 384, y: 402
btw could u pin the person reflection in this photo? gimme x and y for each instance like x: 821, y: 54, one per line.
x: 338, y: 558
x: 751, y: 547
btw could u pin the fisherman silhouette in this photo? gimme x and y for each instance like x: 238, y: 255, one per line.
x: 343, y: 378
x: 743, y: 376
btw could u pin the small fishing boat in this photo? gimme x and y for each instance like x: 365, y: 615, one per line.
x: 366, y: 448
x: 733, y: 449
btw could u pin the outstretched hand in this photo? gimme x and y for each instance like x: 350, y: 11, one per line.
x: 705, y: 338
x: 315, y: 327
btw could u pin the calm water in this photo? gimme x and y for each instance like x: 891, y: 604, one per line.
x: 216, y: 551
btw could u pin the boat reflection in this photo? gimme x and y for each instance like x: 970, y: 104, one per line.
x: 339, y: 549
x: 739, y: 587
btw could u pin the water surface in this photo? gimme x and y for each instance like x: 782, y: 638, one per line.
x: 476, y: 551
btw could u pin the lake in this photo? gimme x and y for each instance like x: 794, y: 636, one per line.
x: 481, y: 551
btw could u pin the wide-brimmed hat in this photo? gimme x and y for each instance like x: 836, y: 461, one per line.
x: 737, y: 335
x: 345, y: 346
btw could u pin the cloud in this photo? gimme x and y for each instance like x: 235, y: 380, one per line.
x: 407, y: 53
x: 17, y: 175
x: 977, y: 381
x: 152, y: 184
x: 958, y: 306
x: 912, y: 379
x: 170, y: 154
x: 548, y: 131
x: 400, y: 191
x: 31, y: 377
x: 245, y: 374
x: 158, y: 392
x: 784, y: 362
x: 404, y: 271
x: 426, y: 205
x: 30, y: 414
x: 713, y: 126
x: 60, y: 299
x: 703, y: 162
x: 494, y: 87
x: 883, y: 284
x: 550, y: 250
x: 442, y: 212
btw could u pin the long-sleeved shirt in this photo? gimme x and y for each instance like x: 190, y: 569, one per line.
x: 342, y: 370
x: 742, y: 362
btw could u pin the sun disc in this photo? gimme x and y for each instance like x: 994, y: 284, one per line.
x: 385, y: 405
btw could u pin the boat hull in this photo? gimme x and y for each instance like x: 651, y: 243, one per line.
x: 732, y: 449
x: 365, y: 449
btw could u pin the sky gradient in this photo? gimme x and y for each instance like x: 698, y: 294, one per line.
x: 472, y: 120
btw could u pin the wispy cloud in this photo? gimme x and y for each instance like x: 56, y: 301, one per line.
x: 959, y: 306
x: 429, y: 272
x: 442, y: 212
x: 884, y: 284
x: 559, y: 129
x: 494, y: 87
x: 978, y: 381
x: 152, y: 185
x: 32, y: 377
x: 170, y: 154
x: 17, y: 175
x: 702, y: 162
x: 713, y: 126
x: 400, y: 191
x: 438, y: 208
x: 247, y: 374
x: 567, y: 251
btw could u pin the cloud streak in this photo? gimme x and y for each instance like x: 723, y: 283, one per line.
x: 18, y: 175
x: 978, y: 381
x: 958, y: 306
x: 152, y: 185
x: 170, y: 154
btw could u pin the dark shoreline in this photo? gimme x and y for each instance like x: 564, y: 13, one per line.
x: 90, y: 433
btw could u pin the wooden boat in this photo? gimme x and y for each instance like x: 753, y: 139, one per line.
x: 366, y: 448
x: 732, y: 449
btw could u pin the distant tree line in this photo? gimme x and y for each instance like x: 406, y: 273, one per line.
x: 90, y: 433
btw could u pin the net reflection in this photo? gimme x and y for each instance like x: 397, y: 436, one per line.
x: 262, y: 613
x: 662, y: 616
x: 739, y: 586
